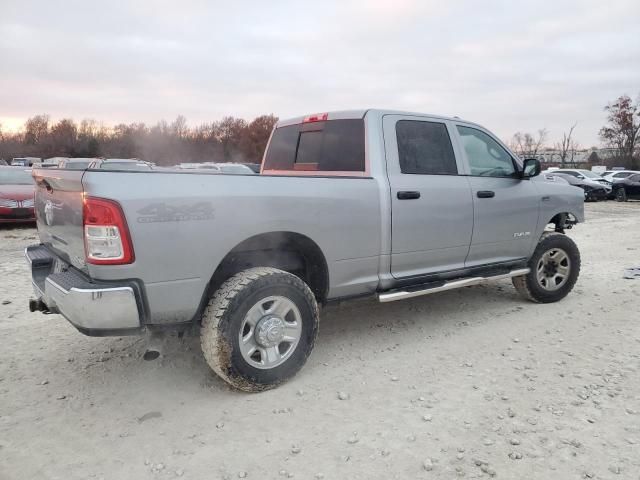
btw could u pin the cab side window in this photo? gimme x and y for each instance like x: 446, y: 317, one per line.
x: 486, y: 157
x: 424, y: 148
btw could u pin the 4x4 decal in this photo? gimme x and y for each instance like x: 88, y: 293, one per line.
x: 162, y: 212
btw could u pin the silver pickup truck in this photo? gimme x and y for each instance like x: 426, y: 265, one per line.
x: 382, y: 203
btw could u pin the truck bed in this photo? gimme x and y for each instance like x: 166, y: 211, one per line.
x: 182, y: 225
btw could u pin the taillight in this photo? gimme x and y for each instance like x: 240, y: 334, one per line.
x: 106, y: 235
x: 318, y: 117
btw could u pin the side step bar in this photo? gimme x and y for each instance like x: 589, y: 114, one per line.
x: 463, y: 282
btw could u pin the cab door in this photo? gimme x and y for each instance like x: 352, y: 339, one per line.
x: 432, y: 208
x: 505, y: 207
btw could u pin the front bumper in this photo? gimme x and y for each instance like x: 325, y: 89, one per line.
x: 17, y: 215
x: 93, y: 307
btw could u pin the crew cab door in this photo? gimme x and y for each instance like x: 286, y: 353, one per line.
x: 505, y: 206
x: 432, y: 209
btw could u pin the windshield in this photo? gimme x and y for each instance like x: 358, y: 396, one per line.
x: 589, y: 174
x: 17, y: 176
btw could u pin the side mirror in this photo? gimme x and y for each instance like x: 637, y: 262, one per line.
x: 531, y: 168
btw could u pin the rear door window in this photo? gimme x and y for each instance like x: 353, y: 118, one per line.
x: 329, y: 146
x: 425, y: 148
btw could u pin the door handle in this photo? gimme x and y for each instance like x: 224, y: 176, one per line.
x: 408, y: 195
x: 486, y: 194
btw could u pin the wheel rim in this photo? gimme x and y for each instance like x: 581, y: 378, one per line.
x: 270, y: 332
x: 620, y: 193
x: 553, y: 269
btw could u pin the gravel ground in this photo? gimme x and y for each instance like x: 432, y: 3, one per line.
x: 471, y: 383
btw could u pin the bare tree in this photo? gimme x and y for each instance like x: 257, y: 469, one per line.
x: 566, y: 146
x: 179, y: 127
x: 527, y: 145
x: 36, y: 129
x: 623, y: 126
x: 231, y: 139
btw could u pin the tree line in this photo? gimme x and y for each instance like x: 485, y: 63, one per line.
x: 228, y: 140
x: 236, y: 140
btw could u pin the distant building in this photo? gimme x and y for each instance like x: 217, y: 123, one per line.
x: 552, y: 156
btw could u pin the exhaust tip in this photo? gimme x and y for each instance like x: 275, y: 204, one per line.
x: 154, y: 346
x: 33, y: 305
x: 150, y: 355
x: 37, y: 305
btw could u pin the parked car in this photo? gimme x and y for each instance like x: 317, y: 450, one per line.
x: 16, y: 195
x: 420, y: 204
x: 589, y: 178
x: 627, y: 188
x: 233, y: 168
x: 585, y: 175
x: 76, y: 163
x: 25, y: 161
x: 3, y: 162
x: 120, y: 164
x: 593, y: 191
x: 52, y: 162
x: 614, y: 175
x: 255, y: 167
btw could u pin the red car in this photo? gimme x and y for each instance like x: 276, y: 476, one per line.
x: 16, y: 195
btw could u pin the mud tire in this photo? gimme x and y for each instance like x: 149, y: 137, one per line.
x: 223, y: 317
x: 528, y: 286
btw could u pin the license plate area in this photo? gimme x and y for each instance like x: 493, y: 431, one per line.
x: 20, y: 212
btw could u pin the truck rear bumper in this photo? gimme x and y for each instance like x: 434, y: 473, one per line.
x: 94, y: 308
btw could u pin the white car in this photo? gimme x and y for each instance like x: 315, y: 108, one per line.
x: 613, y: 175
x: 588, y: 176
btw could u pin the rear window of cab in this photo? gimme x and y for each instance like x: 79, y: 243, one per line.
x: 325, y: 146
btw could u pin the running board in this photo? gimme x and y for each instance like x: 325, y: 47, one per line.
x: 463, y: 282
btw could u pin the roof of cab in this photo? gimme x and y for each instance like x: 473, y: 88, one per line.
x: 353, y: 114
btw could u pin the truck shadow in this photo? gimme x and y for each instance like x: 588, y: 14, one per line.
x: 366, y: 324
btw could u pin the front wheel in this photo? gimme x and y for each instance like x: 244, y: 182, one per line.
x: 554, y: 269
x: 621, y: 195
x: 259, y: 328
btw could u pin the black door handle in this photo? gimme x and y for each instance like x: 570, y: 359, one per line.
x: 486, y: 194
x: 408, y: 195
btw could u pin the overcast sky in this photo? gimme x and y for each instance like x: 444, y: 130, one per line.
x: 507, y: 65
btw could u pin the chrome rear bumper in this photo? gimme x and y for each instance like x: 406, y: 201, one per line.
x: 91, y: 307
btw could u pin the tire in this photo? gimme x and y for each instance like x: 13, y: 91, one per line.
x: 621, y: 195
x: 253, y: 310
x: 551, y: 287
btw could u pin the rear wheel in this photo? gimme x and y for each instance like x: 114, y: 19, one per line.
x: 259, y: 328
x: 621, y: 195
x: 554, y: 269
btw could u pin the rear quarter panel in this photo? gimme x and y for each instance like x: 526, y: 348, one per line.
x: 183, y: 224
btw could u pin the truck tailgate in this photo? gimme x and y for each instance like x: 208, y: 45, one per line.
x: 58, y: 205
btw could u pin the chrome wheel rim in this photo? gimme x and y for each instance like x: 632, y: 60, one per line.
x: 270, y: 332
x: 553, y: 269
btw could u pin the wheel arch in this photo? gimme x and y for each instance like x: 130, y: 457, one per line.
x: 562, y: 220
x: 289, y: 251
